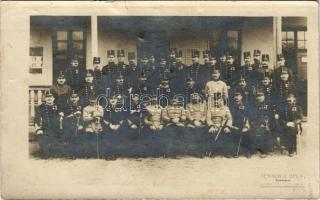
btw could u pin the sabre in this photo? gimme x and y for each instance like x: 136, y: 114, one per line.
x: 224, y: 124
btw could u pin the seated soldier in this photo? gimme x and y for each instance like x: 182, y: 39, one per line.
x: 219, y: 121
x: 262, y: 116
x: 289, y: 119
x: 134, y: 119
x: 218, y: 115
x: 154, y: 119
x: 92, y: 115
x: 241, y: 125
x: 116, y: 113
x: 174, y: 114
x: 196, y: 112
x: 48, y: 119
x: 73, y: 122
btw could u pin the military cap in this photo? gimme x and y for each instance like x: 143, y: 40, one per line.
x: 96, y: 60
x: 246, y: 54
x: 195, y: 54
x: 89, y: 73
x: 279, y: 57
x: 75, y: 57
x: 256, y: 52
x: 173, y: 51
x: 151, y: 56
x: 74, y: 94
x: 284, y: 70
x: 189, y: 78
x: 291, y: 96
x: 93, y: 98
x: 259, y: 91
x: 110, y: 53
x: 215, y: 71
x: 162, y: 59
x: 179, y: 54
x: 131, y: 55
x: 144, y: 57
x: 237, y: 92
x: 242, y: 78
x: 48, y: 94
x: 206, y: 54
x: 120, y: 53
x: 61, y: 74
x: 265, y: 57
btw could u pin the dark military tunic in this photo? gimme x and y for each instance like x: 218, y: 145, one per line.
x: 72, y: 122
x: 88, y: 90
x: 109, y: 74
x: 133, y: 77
x: 290, y: 113
x: 248, y: 72
x: 229, y: 74
x: 194, y: 72
x: 47, y: 118
x: 262, y: 124
x: 98, y: 80
x: 75, y: 78
x: 246, y: 93
x: 61, y: 95
x: 269, y: 93
x: 284, y: 88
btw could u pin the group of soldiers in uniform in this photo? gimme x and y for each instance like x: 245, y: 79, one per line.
x: 247, y: 109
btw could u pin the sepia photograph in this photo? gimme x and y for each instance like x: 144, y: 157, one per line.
x: 159, y: 100
x: 167, y: 86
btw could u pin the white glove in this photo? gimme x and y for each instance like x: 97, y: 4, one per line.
x: 39, y: 132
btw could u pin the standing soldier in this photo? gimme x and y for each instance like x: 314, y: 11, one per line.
x: 216, y: 86
x: 219, y: 121
x: 196, y: 112
x: 178, y: 79
x: 194, y: 69
x: 74, y: 75
x: 268, y: 89
x: 152, y: 63
x: 154, y: 116
x: 172, y: 59
x: 122, y: 67
x: 97, y: 74
x: 229, y: 72
x: 245, y: 90
x: 212, y: 65
x: 109, y: 70
x: 281, y: 64
x: 142, y: 84
x: 61, y: 92
x: 262, y: 124
x: 133, y: 73
x: 144, y: 63
x: 89, y: 89
x: 240, y: 126
x: 289, y: 119
x: 222, y: 65
x: 120, y: 87
x: 256, y: 59
x: 189, y: 89
x: 263, y: 69
x: 284, y: 86
x: 247, y: 70
x: 48, y: 119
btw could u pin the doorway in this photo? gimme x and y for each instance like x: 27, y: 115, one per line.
x: 68, y: 44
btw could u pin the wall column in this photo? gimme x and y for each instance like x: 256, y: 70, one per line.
x: 277, y: 30
x: 94, y: 36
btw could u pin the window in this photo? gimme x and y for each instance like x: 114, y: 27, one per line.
x: 294, y: 40
x: 36, y: 60
x: 301, y: 39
